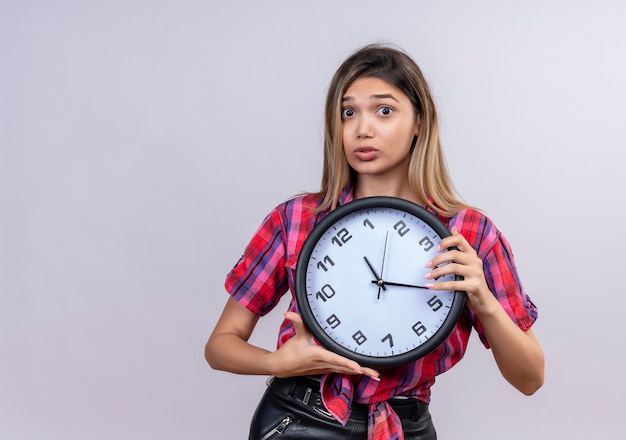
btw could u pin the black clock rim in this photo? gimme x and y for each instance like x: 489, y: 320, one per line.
x: 458, y: 302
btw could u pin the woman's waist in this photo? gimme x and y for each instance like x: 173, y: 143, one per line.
x: 307, y: 390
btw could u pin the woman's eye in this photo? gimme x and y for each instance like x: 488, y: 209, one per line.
x: 385, y: 111
x: 347, y: 112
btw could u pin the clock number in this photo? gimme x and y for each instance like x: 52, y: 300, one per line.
x: 388, y: 338
x: 435, y: 303
x: 419, y: 328
x: 401, y: 228
x: 359, y: 337
x: 325, y: 293
x: 328, y: 261
x: 341, y: 237
x: 333, y: 321
x: 426, y: 244
x: 367, y: 222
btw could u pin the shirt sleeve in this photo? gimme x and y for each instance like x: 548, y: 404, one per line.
x: 500, y: 271
x: 259, y: 279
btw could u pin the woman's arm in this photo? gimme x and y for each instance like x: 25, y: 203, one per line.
x: 517, y: 353
x: 228, y: 349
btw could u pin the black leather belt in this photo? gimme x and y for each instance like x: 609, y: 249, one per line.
x: 306, y: 391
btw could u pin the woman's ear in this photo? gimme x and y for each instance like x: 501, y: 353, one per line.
x: 418, y: 126
x: 413, y: 143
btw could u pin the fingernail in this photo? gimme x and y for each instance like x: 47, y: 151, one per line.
x: 428, y: 285
x: 428, y: 276
x: 429, y: 265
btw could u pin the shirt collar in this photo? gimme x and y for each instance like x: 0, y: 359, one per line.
x: 346, y: 195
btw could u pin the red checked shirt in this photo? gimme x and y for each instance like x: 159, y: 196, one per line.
x: 266, y: 272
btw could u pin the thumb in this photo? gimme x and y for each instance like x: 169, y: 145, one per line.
x: 298, y: 324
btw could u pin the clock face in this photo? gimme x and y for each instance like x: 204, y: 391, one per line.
x: 360, y: 286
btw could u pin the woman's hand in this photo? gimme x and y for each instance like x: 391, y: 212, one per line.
x: 465, y: 262
x: 301, y: 356
x: 517, y: 353
x: 228, y: 349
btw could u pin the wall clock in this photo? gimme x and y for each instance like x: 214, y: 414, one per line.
x: 360, y: 287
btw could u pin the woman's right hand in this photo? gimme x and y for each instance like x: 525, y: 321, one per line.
x: 301, y: 356
x: 228, y: 349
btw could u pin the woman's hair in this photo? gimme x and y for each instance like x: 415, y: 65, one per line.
x: 428, y: 174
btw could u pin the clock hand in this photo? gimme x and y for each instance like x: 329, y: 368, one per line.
x: 389, y: 283
x: 382, y: 266
x: 379, y: 280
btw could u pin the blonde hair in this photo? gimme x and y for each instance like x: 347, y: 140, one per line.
x: 428, y: 174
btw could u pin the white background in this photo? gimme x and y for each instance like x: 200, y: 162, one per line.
x: 143, y: 141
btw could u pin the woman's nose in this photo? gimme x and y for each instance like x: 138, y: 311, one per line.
x: 364, y: 128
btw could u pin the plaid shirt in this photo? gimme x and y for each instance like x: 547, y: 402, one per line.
x: 266, y: 272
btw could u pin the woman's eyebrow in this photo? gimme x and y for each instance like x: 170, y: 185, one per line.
x: 380, y: 96
x: 385, y: 96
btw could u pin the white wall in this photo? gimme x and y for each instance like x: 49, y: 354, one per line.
x: 142, y: 142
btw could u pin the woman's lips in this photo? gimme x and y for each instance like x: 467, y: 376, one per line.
x: 366, y: 153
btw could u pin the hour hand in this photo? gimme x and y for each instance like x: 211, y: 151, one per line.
x: 389, y: 283
x: 379, y: 281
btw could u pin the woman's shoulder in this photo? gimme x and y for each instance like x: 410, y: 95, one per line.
x: 477, y: 228
x: 298, y: 207
x: 471, y: 216
x: 301, y: 202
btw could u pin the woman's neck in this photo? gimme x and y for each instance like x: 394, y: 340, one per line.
x: 368, y: 187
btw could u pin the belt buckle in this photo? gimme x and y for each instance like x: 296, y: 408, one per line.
x: 323, y: 411
x: 318, y: 405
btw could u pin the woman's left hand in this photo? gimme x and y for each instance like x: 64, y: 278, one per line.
x: 465, y: 262
x: 517, y: 353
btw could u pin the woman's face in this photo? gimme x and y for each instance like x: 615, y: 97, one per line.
x: 378, y: 124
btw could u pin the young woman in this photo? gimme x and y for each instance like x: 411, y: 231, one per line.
x: 381, y: 139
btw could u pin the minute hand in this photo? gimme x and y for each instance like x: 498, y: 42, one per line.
x: 389, y: 283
